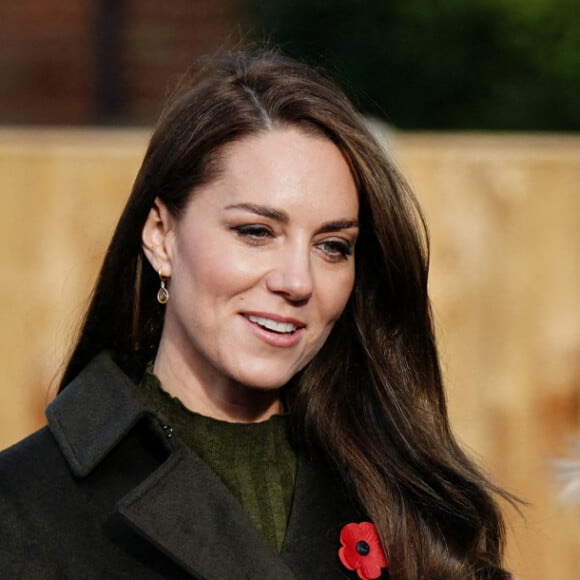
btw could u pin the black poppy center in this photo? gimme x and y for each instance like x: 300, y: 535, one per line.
x: 362, y: 548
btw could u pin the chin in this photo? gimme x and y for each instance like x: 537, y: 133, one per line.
x: 265, y: 379
x: 263, y: 383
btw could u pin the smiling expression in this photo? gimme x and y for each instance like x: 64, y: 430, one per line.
x: 261, y: 265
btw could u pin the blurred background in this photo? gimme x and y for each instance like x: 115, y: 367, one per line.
x: 445, y: 65
x: 478, y: 102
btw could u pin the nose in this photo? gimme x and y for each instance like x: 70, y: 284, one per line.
x: 291, y: 276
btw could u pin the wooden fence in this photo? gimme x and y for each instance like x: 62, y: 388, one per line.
x: 504, y: 214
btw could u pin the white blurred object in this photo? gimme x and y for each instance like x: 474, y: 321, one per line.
x: 382, y: 132
x: 568, y: 476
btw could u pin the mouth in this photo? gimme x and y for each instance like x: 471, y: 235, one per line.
x: 276, y: 326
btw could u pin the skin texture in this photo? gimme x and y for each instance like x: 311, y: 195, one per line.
x: 272, y: 236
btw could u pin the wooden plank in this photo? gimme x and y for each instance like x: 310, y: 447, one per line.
x: 504, y: 214
x: 505, y: 222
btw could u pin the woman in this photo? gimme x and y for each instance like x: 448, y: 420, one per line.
x: 255, y: 392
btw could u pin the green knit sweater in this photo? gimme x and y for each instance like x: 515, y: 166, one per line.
x: 254, y: 460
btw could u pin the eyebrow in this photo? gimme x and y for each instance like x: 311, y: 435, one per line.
x: 263, y: 210
x: 282, y: 217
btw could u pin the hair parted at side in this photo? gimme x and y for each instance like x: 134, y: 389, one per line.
x: 372, y: 400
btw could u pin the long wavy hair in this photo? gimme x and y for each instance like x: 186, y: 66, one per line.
x: 372, y: 400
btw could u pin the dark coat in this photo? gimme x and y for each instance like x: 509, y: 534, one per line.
x: 107, y: 491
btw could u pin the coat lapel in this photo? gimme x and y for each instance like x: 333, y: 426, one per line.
x: 186, y: 511
x: 320, y: 509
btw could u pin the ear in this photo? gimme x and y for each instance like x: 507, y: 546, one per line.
x: 158, y: 237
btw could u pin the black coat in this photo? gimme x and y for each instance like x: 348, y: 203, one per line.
x: 107, y: 491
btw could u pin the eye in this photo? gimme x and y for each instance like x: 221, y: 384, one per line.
x: 336, y: 250
x: 253, y: 233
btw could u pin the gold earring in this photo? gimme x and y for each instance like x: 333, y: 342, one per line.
x: 162, y: 293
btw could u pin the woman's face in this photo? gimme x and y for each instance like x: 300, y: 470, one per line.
x: 261, y: 263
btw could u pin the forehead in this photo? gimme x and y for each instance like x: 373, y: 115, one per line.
x: 284, y: 167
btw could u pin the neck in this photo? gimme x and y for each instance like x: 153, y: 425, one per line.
x: 213, y: 395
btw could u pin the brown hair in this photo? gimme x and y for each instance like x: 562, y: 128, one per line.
x: 372, y: 400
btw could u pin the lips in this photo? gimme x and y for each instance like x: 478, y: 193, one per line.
x: 275, y: 331
x: 275, y: 324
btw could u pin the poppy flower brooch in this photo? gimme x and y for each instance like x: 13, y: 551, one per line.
x: 361, y: 550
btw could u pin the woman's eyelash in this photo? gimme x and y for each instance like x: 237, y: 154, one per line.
x: 253, y: 231
x: 337, y: 249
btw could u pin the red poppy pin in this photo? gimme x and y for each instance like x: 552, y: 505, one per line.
x: 361, y: 550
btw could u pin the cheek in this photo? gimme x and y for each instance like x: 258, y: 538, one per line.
x: 336, y: 295
x: 197, y: 261
x: 211, y: 275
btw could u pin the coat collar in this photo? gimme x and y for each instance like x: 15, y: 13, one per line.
x: 183, y: 508
x: 93, y: 414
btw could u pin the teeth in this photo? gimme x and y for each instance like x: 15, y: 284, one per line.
x: 285, y: 327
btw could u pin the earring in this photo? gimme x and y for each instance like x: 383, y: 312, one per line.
x: 162, y: 293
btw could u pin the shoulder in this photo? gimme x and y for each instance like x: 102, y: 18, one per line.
x: 90, y: 419
x: 59, y: 484
x: 32, y: 474
x: 30, y: 462
x: 44, y: 483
